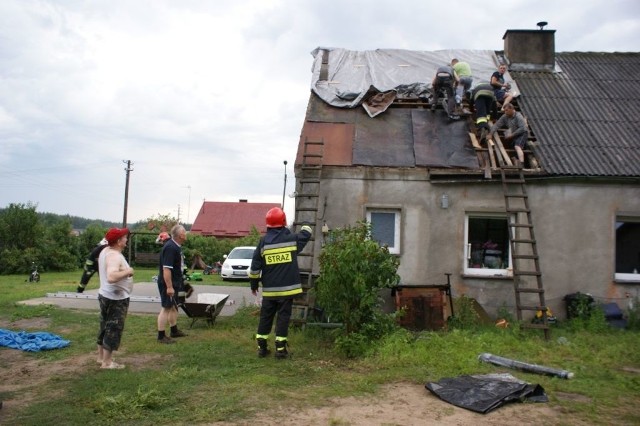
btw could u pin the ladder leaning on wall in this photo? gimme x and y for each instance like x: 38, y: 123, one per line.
x: 524, y: 250
x: 306, y: 212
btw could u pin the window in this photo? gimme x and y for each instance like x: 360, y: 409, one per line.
x: 385, y: 228
x: 487, y: 245
x: 627, y: 248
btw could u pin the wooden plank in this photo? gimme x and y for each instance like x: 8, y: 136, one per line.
x: 474, y: 141
x: 503, y: 151
x: 491, y: 154
x: 499, y: 156
x: 487, y: 166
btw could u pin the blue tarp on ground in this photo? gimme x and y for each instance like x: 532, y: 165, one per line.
x: 31, y: 342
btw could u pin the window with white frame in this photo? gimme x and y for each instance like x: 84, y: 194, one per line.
x: 627, y: 248
x: 385, y: 227
x: 487, y: 250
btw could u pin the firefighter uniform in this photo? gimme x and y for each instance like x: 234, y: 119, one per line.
x: 90, y: 265
x: 483, y: 101
x: 275, y: 263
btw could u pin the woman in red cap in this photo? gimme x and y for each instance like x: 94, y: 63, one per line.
x: 116, y: 284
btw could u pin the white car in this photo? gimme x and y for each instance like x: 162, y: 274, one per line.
x: 236, y: 264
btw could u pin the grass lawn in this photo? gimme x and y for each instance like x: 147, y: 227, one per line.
x: 214, y: 374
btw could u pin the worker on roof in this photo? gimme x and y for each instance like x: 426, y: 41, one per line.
x: 444, y: 82
x: 275, y: 263
x: 516, y: 130
x: 500, y: 87
x: 465, y: 79
x: 483, y: 102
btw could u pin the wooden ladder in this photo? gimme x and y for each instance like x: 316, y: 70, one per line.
x: 524, y: 251
x: 306, y: 212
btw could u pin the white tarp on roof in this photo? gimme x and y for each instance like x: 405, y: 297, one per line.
x: 352, y: 74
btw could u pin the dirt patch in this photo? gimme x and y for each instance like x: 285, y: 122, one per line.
x: 23, y: 374
x: 28, y: 324
x: 405, y: 404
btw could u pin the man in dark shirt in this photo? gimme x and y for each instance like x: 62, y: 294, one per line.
x: 170, y: 283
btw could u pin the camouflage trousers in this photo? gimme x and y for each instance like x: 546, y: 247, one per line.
x: 112, y: 316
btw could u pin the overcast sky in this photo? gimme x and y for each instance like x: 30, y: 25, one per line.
x: 207, y: 98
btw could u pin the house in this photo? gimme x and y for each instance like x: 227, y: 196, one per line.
x: 371, y: 149
x: 231, y: 219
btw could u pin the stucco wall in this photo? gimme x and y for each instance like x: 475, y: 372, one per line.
x: 574, y: 227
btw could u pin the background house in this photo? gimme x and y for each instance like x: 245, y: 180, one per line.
x: 371, y: 149
x: 230, y: 219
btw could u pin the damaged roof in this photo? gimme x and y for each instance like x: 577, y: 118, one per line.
x: 583, y: 115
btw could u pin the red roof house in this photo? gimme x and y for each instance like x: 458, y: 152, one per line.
x: 231, y: 219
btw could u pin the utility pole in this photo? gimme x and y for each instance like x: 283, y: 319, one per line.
x: 128, y: 169
x: 189, y: 202
x: 284, y: 190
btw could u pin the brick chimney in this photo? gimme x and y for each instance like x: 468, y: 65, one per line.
x: 530, y: 50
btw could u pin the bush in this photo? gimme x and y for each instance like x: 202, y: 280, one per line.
x: 353, y: 270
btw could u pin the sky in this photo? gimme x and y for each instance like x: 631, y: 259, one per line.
x: 207, y: 99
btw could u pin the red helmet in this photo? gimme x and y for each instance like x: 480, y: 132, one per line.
x: 276, y: 218
x: 162, y: 237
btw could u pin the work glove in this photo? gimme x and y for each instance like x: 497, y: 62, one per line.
x: 307, y: 228
x: 255, y: 283
x: 80, y: 289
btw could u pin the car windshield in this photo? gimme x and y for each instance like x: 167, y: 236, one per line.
x: 241, y: 253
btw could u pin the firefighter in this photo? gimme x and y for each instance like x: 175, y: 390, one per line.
x: 91, y: 265
x: 163, y: 237
x: 275, y: 263
x: 483, y: 102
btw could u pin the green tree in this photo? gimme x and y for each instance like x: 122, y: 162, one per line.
x: 353, y: 270
x: 93, y: 233
x: 59, y: 248
x: 20, y: 227
x: 21, y: 235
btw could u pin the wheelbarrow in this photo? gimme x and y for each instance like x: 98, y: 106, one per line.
x: 207, y: 307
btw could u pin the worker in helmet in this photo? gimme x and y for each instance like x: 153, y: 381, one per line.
x: 275, y: 263
x: 163, y: 237
x: 484, y: 102
x: 91, y: 265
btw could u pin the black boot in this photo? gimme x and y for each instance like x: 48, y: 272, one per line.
x: 281, y: 349
x: 263, y: 350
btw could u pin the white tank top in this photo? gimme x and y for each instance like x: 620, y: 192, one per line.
x: 120, y: 289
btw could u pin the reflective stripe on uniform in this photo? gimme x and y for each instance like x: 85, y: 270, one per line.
x: 279, y: 253
x: 281, y: 293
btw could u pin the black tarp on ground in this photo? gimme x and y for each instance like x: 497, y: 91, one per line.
x: 484, y: 393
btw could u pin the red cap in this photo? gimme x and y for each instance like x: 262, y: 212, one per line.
x: 114, y: 234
